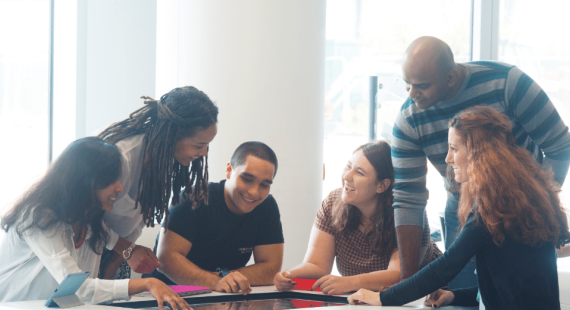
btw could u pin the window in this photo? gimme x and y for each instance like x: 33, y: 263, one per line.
x: 367, y: 38
x: 535, y: 47
x: 24, y: 95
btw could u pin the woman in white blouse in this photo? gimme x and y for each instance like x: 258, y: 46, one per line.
x: 57, y: 228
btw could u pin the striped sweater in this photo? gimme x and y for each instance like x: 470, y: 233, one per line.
x: 421, y: 135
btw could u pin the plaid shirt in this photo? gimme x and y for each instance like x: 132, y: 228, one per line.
x: 354, y: 254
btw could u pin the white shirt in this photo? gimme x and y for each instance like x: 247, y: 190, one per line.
x: 124, y: 220
x: 32, y: 267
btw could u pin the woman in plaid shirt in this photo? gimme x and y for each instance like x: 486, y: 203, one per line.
x: 355, y: 224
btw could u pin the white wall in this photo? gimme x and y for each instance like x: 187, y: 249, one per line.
x: 262, y: 62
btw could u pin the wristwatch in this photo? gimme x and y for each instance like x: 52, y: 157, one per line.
x: 223, y: 272
x: 128, y: 251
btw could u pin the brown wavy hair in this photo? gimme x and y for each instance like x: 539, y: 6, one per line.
x: 179, y: 114
x: 507, y: 187
x: 347, y: 217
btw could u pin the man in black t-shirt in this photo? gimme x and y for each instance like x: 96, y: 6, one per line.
x: 210, y: 245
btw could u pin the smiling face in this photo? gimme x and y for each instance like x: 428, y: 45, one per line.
x: 425, y: 83
x: 191, y: 148
x: 108, y: 195
x: 361, y: 186
x: 457, y: 157
x: 248, y: 185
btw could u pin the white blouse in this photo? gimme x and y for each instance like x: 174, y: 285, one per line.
x: 32, y: 267
x: 124, y: 220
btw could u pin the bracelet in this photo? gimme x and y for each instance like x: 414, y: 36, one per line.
x: 222, y: 272
x: 128, y: 251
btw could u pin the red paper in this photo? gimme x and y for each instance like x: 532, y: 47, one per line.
x: 298, y: 303
x: 305, y: 284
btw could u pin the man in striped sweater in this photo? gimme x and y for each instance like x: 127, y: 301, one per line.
x: 438, y: 89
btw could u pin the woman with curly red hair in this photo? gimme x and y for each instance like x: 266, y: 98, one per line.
x: 512, y: 222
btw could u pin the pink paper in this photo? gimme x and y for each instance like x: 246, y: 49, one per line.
x: 186, y: 288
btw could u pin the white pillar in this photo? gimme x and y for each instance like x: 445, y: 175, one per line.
x: 262, y: 62
x: 104, y: 60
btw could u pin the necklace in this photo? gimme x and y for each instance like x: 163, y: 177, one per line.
x: 81, y: 240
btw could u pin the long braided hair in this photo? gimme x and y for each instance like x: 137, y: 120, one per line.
x: 177, y: 115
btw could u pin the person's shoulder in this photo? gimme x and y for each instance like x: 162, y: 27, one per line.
x: 215, y: 195
x: 476, y: 66
x: 332, y: 198
x: 474, y: 220
x: 216, y: 187
x: 407, y: 111
x: 186, y: 206
x: 410, y: 117
x: 335, y: 194
x: 131, y: 143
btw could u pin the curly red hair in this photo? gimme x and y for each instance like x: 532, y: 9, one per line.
x: 506, y: 186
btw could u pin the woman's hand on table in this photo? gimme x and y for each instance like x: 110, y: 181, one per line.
x: 163, y: 293
x: 331, y: 285
x: 283, y: 281
x: 364, y: 296
x: 439, y: 298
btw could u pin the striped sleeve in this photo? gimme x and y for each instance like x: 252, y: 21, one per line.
x: 410, y: 169
x: 539, y: 120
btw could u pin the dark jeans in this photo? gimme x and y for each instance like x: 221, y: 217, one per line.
x: 466, y: 278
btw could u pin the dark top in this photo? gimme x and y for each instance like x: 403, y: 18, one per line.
x: 512, y: 276
x: 221, y: 239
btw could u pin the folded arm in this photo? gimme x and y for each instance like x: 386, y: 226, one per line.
x: 172, y: 250
x: 268, y: 260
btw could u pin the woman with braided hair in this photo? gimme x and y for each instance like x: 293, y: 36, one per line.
x: 512, y: 222
x: 164, y: 148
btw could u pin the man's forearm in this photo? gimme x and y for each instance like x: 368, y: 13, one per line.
x: 260, y: 273
x: 409, y: 246
x: 182, y: 271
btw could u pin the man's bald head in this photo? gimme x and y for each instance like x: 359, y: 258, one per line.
x: 430, y: 51
x: 430, y: 73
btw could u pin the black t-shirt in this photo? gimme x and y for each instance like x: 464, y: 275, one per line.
x: 221, y: 239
